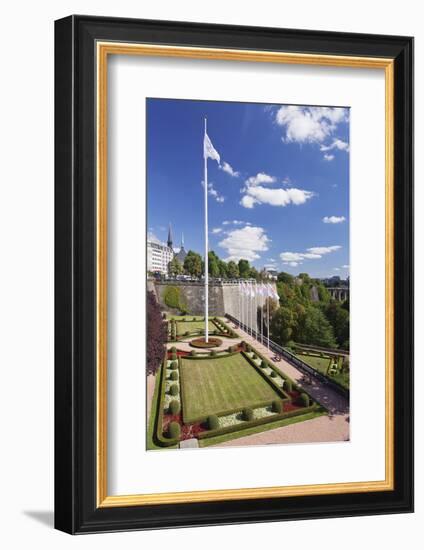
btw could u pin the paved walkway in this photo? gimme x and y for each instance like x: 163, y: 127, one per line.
x: 321, y: 429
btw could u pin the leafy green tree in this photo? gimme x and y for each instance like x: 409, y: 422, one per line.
x: 223, y: 269
x: 339, y: 319
x: 213, y: 264
x: 232, y: 270
x: 254, y: 274
x: 315, y: 329
x: 283, y: 323
x: 174, y: 267
x: 244, y: 269
x: 284, y: 277
x: 193, y: 264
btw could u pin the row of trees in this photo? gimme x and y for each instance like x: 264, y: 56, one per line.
x: 156, y: 334
x: 307, y: 314
x: 194, y: 266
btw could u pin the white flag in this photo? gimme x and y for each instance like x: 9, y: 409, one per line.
x: 209, y: 150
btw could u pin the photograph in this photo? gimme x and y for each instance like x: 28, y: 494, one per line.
x: 248, y: 274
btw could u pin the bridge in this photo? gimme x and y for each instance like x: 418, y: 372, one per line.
x: 340, y: 293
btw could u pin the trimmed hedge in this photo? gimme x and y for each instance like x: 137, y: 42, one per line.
x: 173, y: 365
x: 213, y: 422
x: 174, y: 430
x: 174, y: 375
x: 160, y: 439
x: 288, y: 384
x: 248, y: 415
x: 173, y: 390
x: 277, y: 406
x: 174, y: 356
x: 174, y: 407
x: 256, y: 422
x: 273, y: 374
x: 304, y: 397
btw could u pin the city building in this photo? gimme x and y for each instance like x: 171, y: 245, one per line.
x: 159, y: 254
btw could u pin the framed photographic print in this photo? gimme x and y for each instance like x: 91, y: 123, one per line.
x: 234, y: 274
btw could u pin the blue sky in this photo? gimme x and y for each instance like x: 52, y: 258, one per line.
x: 280, y: 195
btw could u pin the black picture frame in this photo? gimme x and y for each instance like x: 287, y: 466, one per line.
x: 76, y: 510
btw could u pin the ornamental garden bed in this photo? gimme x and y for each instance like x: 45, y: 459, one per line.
x: 205, y: 396
x: 185, y: 327
x: 334, y: 367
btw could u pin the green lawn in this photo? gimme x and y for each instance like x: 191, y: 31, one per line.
x: 212, y: 386
x: 193, y: 326
x: 318, y: 363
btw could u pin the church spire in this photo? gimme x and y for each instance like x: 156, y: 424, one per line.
x: 169, y: 243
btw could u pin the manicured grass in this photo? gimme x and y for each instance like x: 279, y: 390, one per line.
x: 193, y: 327
x: 259, y: 429
x: 212, y: 386
x: 318, y: 363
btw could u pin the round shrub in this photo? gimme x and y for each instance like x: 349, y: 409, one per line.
x: 174, y: 375
x: 193, y: 353
x: 174, y: 407
x: 174, y: 430
x: 187, y: 333
x: 248, y: 414
x: 213, y: 422
x: 288, y: 385
x: 274, y: 374
x: 254, y: 356
x: 174, y: 365
x: 304, y: 398
x: 174, y: 355
x: 277, y: 406
x: 173, y: 390
x: 264, y: 364
x: 213, y: 353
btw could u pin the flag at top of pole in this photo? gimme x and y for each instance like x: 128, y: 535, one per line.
x: 210, y: 152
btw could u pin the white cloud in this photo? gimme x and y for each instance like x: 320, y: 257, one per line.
x: 346, y: 266
x: 337, y: 144
x: 333, y: 219
x: 245, y: 243
x: 235, y: 222
x: 216, y: 230
x: 314, y: 253
x: 291, y: 256
x: 260, y: 177
x: 226, y: 167
x: 336, y: 268
x: 214, y: 193
x: 257, y: 194
x: 328, y: 157
x: 309, y: 124
x: 323, y: 249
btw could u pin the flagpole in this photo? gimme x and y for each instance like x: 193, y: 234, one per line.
x: 267, y: 322
x: 262, y: 313
x: 206, y: 246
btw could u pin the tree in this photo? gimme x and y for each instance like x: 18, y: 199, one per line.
x: 232, y: 270
x: 213, y: 264
x: 254, y: 274
x: 284, y: 277
x: 156, y: 334
x: 244, y: 269
x: 315, y: 329
x: 193, y: 264
x: 339, y: 319
x: 223, y: 269
x: 174, y: 267
x: 283, y: 324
